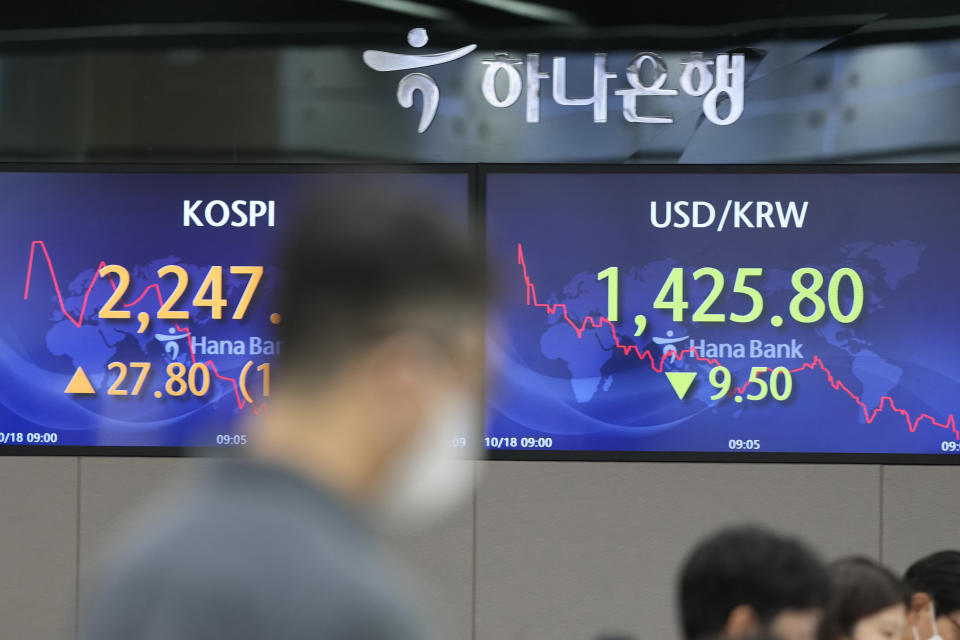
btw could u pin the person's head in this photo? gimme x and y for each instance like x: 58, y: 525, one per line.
x: 748, y: 582
x: 867, y: 602
x: 381, y: 306
x: 934, y: 609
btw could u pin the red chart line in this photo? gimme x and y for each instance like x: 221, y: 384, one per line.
x: 78, y: 322
x: 815, y: 364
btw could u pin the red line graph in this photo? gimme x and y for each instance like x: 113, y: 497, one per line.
x: 83, y: 307
x: 815, y: 364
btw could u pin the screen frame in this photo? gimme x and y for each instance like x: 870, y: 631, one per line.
x: 476, y: 180
x: 485, y: 170
x: 468, y: 170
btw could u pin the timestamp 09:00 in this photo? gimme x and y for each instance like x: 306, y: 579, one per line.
x: 507, y: 442
x: 28, y: 438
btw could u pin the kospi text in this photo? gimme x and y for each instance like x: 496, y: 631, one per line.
x: 217, y: 213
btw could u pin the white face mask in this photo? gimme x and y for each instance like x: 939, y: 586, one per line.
x: 933, y: 625
x: 432, y: 477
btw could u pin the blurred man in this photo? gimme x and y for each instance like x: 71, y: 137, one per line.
x: 747, y: 582
x: 934, y: 610
x: 381, y: 311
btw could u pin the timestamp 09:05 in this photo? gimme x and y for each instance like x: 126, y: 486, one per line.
x: 736, y: 444
x: 28, y: 438
x: 508, y: 442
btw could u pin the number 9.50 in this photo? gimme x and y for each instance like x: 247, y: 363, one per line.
x: 780, y: 384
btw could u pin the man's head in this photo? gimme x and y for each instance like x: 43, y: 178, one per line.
x: 934, y: 610
x: 381, y: 359
x: 747, y: 582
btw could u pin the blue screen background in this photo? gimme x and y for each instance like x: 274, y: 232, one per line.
x: 136, y: 220
x: 898, y: 232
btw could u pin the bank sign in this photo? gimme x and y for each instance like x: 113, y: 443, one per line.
x: 719, y: 81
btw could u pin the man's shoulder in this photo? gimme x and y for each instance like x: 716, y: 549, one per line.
x: 214, y: 525
x: 277, y: 557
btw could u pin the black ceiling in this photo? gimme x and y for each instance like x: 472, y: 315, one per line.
x: 561, y: 23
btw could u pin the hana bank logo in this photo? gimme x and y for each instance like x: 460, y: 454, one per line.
x: 427, y: 86
x: 719, y: 82
x: 169, y: 342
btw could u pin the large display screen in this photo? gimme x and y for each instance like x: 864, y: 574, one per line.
x: 764, y: 313
x: 137, y: 306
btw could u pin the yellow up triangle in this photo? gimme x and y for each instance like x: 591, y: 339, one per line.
x: 79, y: 383
x: 681, y: 381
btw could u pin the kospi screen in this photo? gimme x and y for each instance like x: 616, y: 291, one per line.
x: 764, y: 314
x: 138, y: 306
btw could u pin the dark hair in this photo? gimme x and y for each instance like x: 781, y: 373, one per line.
x: 938, y: 576
x: 361, y: 264
x: 747, y: 566
x: 859, y: 587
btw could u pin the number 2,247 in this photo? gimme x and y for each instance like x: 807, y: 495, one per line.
x: 210, y: 293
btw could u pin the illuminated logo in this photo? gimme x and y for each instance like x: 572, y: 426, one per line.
x: 719, y: 81
x: 427, y: 86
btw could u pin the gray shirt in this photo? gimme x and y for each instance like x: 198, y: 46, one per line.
x: 252, y: 552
